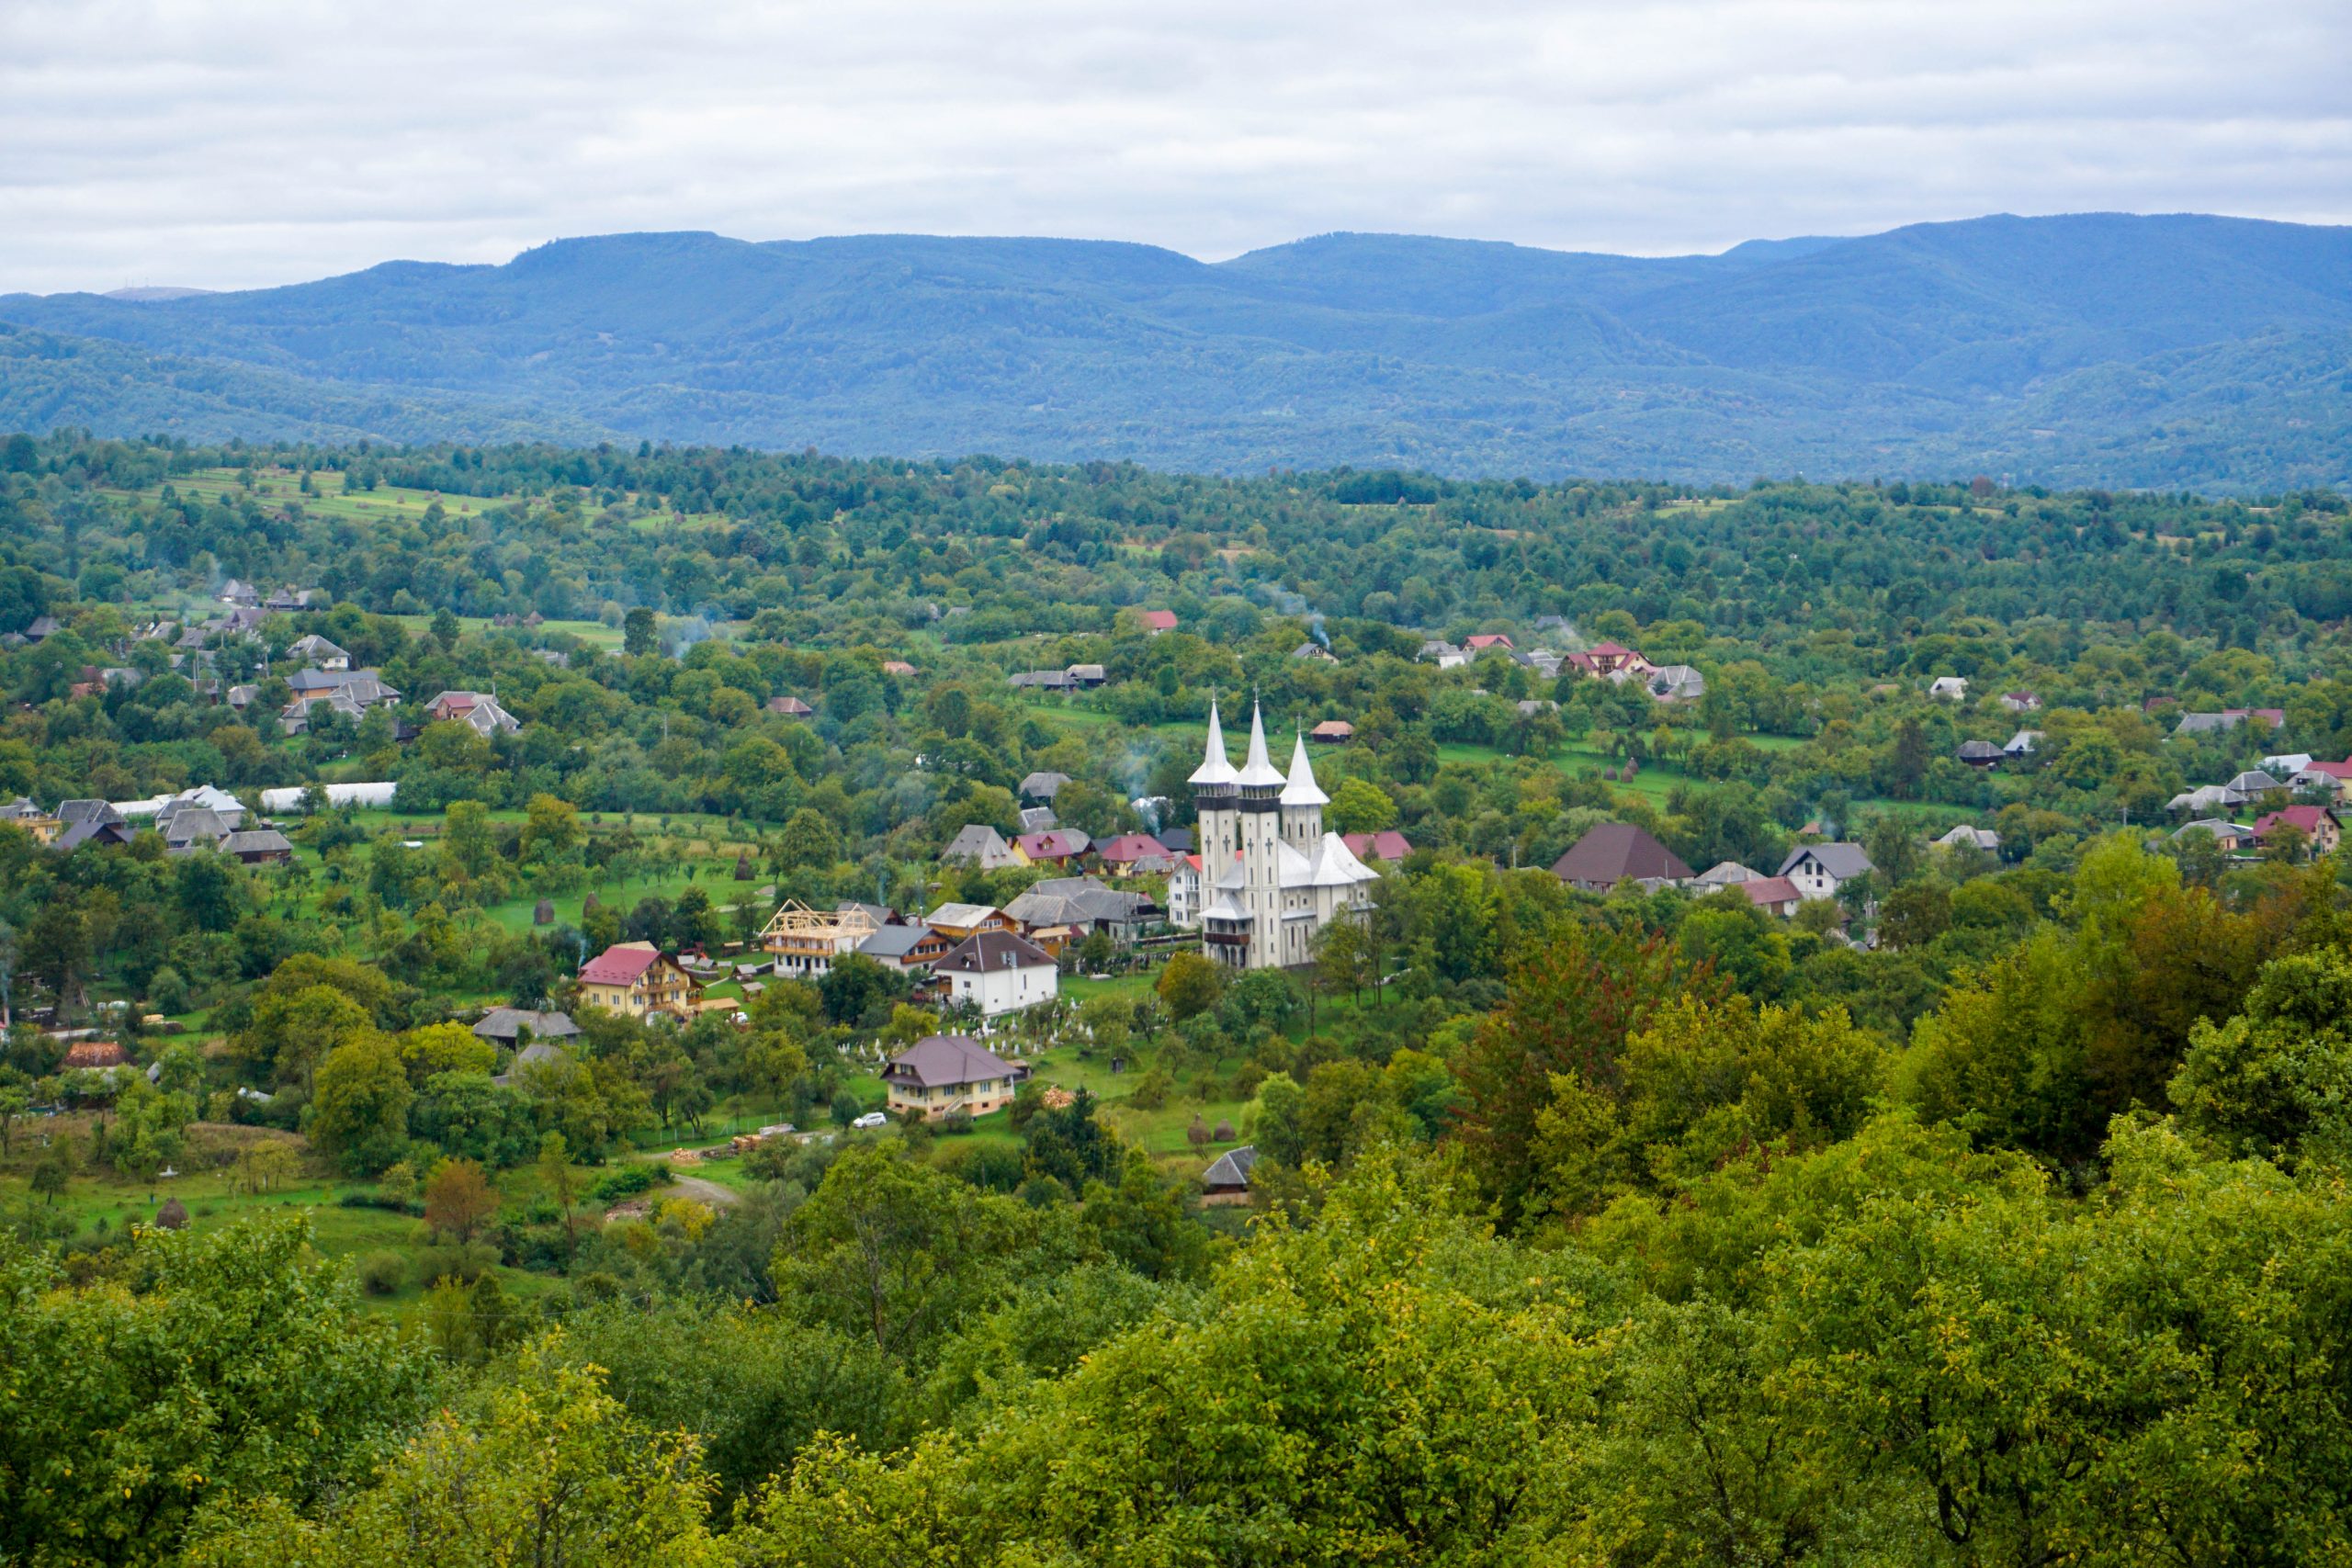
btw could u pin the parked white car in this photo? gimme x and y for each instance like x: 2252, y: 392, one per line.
x: 872, y: 1119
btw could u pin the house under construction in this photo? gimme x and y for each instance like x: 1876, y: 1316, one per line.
x: 804, y: 942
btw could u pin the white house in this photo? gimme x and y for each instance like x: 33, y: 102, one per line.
x: 1948, y: 688
x: 1971, y: 838
x: 1184, y: 893
x: 1817, y: 870
x: 999, y: 973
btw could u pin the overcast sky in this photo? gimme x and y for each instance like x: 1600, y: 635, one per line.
x: 228, y: 144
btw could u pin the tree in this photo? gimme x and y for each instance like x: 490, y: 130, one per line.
x: 459, y: 1199
x: 1190, y: 984
x: 444, y: 630
x: 1142, y: 1222
x: 560, y: 1182
x: 808, y: 839
x: 896, y: 1252
x: 637, y: 631
x: 440, y: 1048
x: 229, y: 1362
x: 1572, y: 1003
x: 553, y: 1471
x: 1360, y: 807
x: 856, y: 986
x: 55, y: 1173
x: 359, y: 1111
x: 262, y: 1165
x: 2276, y: 1081
x: 552, y: 829
x: 1910, y: 760
x: 1916, y: 914
x: 465, y: 838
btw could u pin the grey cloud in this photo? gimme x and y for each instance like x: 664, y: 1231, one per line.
x: 237, y: 142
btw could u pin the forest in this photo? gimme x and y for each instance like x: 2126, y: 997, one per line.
x: 1993, y: 1210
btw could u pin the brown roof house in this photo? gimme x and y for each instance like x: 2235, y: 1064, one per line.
x: 1614, y: 852
x: 940, y: 1074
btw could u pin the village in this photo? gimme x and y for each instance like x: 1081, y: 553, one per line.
x: 1254, y: 882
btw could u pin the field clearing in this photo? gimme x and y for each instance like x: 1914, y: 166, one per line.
x: 334, y: 498
x: 339, y: 1233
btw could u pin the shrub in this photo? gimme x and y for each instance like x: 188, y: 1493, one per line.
x: 956, y: 1123
x: 1151, y: 1093
x: 384, y: 1201
x: 381, y: 1273
x: 627, y: 1181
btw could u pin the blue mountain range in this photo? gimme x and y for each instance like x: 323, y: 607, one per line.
x: 2163, y: 352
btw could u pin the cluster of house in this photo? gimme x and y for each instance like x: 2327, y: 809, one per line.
x: 1073, y: 678
x: 2314, y: 824
x: 997, y: 961
x: 198, y: 818
x: 1985, y: 756
x: 327, y: 680
x: 1611, y: 661
x: 1618, y: 852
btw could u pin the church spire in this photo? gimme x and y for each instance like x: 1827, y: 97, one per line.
x: 1215, y: 771
x: 1259, y: 771
x: 1301, y: 788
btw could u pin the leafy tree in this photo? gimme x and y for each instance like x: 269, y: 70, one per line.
x: 225, y: 1367
x: 2276, y: 1081
x: 636, y: 632
x: 551, y: 1471
x: 1189, y: 983
x: 1067, y: 1145
x: 894, y: 1252
x: 1358, y: 805
x: 1573, y: 1002
x: 359, y: 1111
x: 459, y: 1199
x: 808, y: 839
x: 857, y: 986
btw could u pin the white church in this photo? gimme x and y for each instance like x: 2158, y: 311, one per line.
x: 1273, y: 877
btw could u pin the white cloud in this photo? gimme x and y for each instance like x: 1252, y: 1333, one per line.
x: 237, y: 142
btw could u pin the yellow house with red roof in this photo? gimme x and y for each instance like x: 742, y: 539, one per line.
x: 637, y: 979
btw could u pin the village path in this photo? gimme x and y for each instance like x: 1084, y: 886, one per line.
x: 709, y: 1192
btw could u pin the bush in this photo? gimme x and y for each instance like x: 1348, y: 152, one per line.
x: 956, y: 1123
x: 464, y: 1263
x: 384, y: 1201
x: 381, y: 1273
x: 1152, y: 1091
x: 627, y: 1181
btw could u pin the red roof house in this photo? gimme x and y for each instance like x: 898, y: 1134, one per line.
x: 2317, y: 824
x: 1123, y: 851
x: 1773, y: 895
x: 1059, y: 847
x: 1485, y: 640
x: 1388, y: 844
x: 1157, y: 620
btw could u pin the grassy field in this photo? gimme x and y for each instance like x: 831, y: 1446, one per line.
x: 107, y: 1203
x: 334, y: 498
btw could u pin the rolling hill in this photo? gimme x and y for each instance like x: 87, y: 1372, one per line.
x: 2171, y: 352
